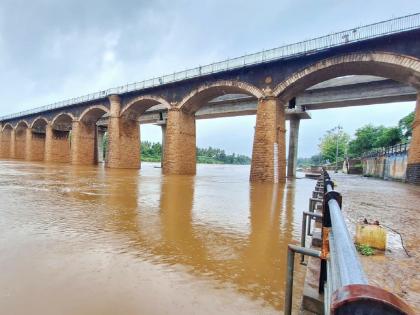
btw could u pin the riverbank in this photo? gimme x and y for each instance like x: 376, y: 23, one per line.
x: 394, y: 205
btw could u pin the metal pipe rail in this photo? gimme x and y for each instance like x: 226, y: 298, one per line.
x: 397, y: 149
x: 342, y: 279
x: 342, y: 249
x: 392, y: 26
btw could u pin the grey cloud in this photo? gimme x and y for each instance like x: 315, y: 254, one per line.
x: 51, y: 50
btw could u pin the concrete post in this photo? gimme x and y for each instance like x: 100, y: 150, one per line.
x: 180, y: 144
x: 123, y: 138
x: 268, y: 152
x: 163, y: 127
x: 83, y: 143
x: 57, y: 146
x: 100, y: 144
x: 293, y: 146
x: 413, y: 162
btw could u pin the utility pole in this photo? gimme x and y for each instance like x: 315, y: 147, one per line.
x: 338, y: 128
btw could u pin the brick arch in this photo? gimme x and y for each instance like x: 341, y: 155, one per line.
x: 22, y: 123
x: 38, y: 119
x: 138, y: 105
x: 206, y: 92
x: 7, y: 126
x: 62, y: 114
x: 400, y: 68
x: 93, y: 113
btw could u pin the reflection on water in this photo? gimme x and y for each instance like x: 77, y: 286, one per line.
x: 89, y: 240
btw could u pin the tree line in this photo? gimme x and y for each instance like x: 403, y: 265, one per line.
x: 152, y: 152
x: 366, y: 138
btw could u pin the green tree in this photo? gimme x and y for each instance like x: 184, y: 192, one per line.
x: 151, y: 152
x: 388, y: 137
x: 365, y: 138
x: 406, y: 125
x: 329, y: 142
x: 370, y: 137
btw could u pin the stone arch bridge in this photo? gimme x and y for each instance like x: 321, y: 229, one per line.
x: 273, y: 78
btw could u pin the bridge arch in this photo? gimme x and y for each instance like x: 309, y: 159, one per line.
x: 93, y: 113
x: 180, y: 144
x: 87, y: 136
x: 206, y: 92
x: 401, y: 68
x: 39, y: 122
x: 405, y: 69
x: 139, y: 105
x: 62, y: 120
x: 7, y: 127
x: 22, y: 124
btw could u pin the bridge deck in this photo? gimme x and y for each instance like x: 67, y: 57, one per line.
x: 370, y: 198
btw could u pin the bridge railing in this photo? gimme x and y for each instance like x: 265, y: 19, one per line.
x: 342, y: 280
x: 383, y: 28
x: 399, y: 148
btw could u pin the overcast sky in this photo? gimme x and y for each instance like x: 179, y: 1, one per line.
x: 53, y: 50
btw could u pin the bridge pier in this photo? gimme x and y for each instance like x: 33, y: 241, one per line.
x: 57, y: 145
x: 123, y: 138
x: 413, y: 163
x: 12, y: 144
x: 28, y: 144
x: 269, y: 149
x: 180, y: 143
x: 5, y: 145
x: 20, y: 142
x: 293, y: 146
x: 83, y: 143
x: 35, y: 145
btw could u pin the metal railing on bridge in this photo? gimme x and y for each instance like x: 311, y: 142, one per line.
x: 341, y: 276
x: 356, y: 34
x: 399, y: 148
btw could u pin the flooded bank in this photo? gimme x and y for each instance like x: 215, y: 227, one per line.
x: 395, y: 205
x: 89, y: 240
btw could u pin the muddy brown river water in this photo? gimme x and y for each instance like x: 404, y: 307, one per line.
x: 89, y: 240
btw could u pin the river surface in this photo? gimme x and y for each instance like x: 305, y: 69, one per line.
x: 89, y: 240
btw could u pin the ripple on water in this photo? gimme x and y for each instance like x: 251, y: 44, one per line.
x: 216, y: 232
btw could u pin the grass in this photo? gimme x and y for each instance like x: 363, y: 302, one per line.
x: 365, y: 250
